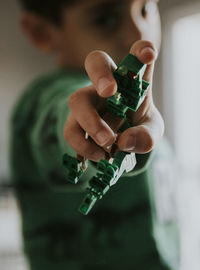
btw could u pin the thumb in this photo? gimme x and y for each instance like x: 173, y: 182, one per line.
x: 142, y: 138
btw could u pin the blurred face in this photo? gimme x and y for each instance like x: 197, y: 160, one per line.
x: 108, y: 25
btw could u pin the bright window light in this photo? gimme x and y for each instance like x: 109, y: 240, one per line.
x: 186, y: 94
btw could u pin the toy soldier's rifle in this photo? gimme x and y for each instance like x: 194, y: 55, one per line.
x: 131, y: 90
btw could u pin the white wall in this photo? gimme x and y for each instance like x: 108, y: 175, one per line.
x: 19, y: 64
x: 187, y: 182
x: 171, y: 11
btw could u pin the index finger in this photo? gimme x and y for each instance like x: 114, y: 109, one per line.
x: 100, y: 67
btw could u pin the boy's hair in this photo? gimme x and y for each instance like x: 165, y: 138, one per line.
x: 50, y: 9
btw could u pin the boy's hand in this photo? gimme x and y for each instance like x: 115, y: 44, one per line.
x: 88, y: 103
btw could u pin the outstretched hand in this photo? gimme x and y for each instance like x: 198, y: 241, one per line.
x: 88, y: 103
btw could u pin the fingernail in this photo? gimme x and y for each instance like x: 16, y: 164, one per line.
x: 103, y: 83
x: 147, y: 49
x: 102, y: 137
x: 130, y: 144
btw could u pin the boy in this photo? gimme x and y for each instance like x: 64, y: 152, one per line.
x: 117, y: 233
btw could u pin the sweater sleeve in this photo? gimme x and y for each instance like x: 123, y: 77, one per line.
x: 46, y: 137
x: 47, y: 140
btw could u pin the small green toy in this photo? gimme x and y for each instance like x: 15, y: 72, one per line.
x: 75, y: 168
x: 130, y: 94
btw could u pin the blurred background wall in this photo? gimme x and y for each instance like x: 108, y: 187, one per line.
x: 19, y: 63
x: 176, y: 93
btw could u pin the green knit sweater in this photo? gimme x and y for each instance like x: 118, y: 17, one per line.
x: 117, y: 234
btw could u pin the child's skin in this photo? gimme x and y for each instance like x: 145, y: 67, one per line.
x: 88, y: 30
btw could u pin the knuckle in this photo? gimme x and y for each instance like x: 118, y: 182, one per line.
x: 67, y: 134
x: 98, y: 59
x: 74, y: 99
x: 92, y: 55
x: 149, y: 144
x: 96, y: 155
x: 86, y: 151
x: 148, y: 141
x: 91, y: 153
x: 84, y: 148
x: 148, y: 43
